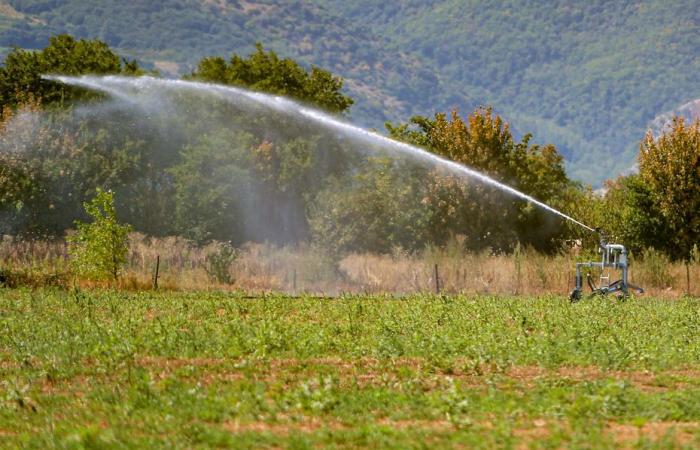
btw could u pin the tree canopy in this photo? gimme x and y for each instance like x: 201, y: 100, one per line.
x: 21, y: 74
x: 208, y: 168
x: 670, y: 166
x: 266, y: 72
x: 488, y: 216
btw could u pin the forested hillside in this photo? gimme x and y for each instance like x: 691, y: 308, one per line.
x: 586, y: 76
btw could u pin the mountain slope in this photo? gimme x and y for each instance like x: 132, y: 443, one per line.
x: 587, y: 76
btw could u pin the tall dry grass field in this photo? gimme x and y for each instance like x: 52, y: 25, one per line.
x: 304, y: 269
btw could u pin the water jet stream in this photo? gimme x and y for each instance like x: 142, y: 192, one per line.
x: 123, y: 88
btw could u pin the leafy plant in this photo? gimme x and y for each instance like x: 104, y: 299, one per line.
x: 98, y: 250
x: 669, y: 166
x: 212, y: 369
x: 219, y: 263
x: 265, y: 71
x: 21, y: 74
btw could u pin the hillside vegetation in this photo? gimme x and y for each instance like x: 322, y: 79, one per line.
x: 586, y: 76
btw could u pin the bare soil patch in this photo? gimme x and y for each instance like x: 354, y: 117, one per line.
x: 307, y: 425
x: 377, y: 372
x: 174, y: 363
x: 8, y: 365
x: 643, y: 380
x: 436, y: 425
x: 681, y: 432
x: 313, y: 424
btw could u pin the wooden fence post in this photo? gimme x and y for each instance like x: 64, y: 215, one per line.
x: 155, y: 275
x: 437, y: 280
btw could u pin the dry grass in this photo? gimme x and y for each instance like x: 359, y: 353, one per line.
x: 530, y: 273
x: 304, y: 269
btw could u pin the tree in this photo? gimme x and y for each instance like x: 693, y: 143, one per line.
x: 487, y: 216
x: 20, y: 178
x: 98, y: 250
x: 631, y: 214
x: 266, y: 72
x: 21, y: 75
x: 376, y: 209
x: 670, y: 166
x: 232, y: 185
x: 269, y: 169
x: 52, y: 161
x: 212, y: 188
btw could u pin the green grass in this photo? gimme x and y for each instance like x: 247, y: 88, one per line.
x: 141, y: 370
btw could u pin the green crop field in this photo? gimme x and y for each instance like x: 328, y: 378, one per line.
x: 107, y: 369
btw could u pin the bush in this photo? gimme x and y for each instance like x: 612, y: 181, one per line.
x: 219, y: 263
x: 98, y: 250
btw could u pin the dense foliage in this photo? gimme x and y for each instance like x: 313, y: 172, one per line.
x: 98, y: 248
x: 201, y: 169
x: 670, y: 166
x: 266, y: 72
x: 462, y: 206
x: 21, y: 74
x: 52, y: 161
x: 631, y: 214
x: 660, y: 207
x: 208, y: 168
x: 587, y: 76
x: 395, y: 204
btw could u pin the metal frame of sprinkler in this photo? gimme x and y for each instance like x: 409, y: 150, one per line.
x: 614, y: 256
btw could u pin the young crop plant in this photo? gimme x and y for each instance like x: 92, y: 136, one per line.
x: 98, y: 249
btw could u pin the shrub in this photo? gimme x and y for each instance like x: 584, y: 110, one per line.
x: 219, y: 263
x: 98, y: 250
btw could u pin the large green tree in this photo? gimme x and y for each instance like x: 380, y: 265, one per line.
x: 266, y: 72
x: 486, y: 215
x: 254, y: 180
x: 51, y: 163
x: 670, y: 166
x: 631, y: 214
x: 211, y: 186
x: 21, y: 74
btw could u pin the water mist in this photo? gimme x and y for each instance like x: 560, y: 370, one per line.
x: 127, y: 88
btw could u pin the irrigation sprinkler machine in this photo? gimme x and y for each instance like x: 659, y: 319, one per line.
x: 614, y: 256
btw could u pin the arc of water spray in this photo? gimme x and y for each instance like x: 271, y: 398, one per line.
x: 120, y: 87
